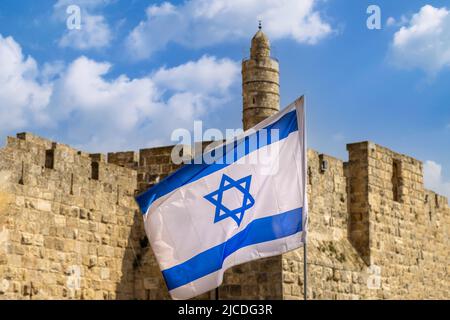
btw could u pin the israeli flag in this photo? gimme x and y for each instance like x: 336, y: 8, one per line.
x: 247, y: 202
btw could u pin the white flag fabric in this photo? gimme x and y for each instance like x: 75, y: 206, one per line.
x: 247, y: 202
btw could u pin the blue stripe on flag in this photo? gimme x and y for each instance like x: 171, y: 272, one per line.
x: 193, y: 172
x: 258, y: 231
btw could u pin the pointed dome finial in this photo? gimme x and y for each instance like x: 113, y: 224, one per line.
x: 260, y: 44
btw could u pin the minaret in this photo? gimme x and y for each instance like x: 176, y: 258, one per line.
x: 260, y: 82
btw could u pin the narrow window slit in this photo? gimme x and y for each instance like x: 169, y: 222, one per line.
x: 95, y: 170
x: 396, y: 180
x: 50, y: 159
x: 71, y: 184
x: 22, y: 174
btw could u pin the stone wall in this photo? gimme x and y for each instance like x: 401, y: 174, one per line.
x: 65, y: 231
x: 393, y: 242
x: 154, y: 165
x: 335, y: 269
x: 408, y: 229
x: 70, y: 229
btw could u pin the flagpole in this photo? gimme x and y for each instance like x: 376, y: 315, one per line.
x: 305, y: 273
x: 305, y: 203
x: 217, y: 294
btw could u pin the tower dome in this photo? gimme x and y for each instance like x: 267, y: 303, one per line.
x: 260, y: 46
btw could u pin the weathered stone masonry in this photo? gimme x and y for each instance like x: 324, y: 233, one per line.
x: 70, y: 228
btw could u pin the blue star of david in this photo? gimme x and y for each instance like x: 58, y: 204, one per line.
x: 227, y: 183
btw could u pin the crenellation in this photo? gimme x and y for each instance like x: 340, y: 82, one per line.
x: 129, y: 159
x: 85, y: 236
x: 36, y: 140
x: 98, y: 157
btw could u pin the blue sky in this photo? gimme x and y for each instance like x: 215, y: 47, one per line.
x: 139, y: 69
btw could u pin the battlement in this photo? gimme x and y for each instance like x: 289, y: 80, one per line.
x: 36, y: 161
x: 394, y: 176
x: 368, y: 218
x: 128, y: 159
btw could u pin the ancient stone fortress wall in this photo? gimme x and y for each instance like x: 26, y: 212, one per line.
x: 70, y: 229
x: 152, y: 166
x: 348, y: 216
x: 66, y: 224
x: 375, y: 232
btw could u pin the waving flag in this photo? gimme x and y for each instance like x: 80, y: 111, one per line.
x: 242, y: 201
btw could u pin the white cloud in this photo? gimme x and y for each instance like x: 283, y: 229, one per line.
x: 424, y: 43
x: 391, y: 21
x: 95, y: 31
x: 199, y: 23
x: 94, y: 34
x: 51, y: 70
x: 77, y: 104
x: 22, y: 96
x: 434, y: 180
x: 402, y: 21
x: 195, y: 76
